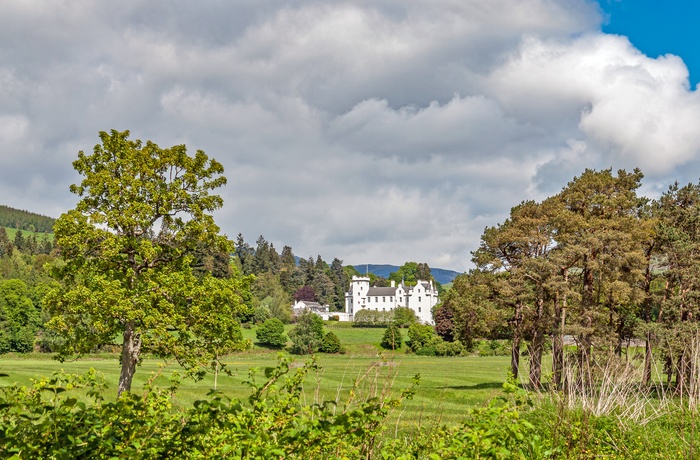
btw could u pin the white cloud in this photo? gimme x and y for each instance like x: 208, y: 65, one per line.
x: 373, y: 131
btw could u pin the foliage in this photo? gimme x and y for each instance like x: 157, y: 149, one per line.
x: 410, y: 272
x: 372, y: 318
x: 271, y: 333
x: 307, y: 334
x: 497, y: 431
x: 392, y: 339
x: 144, y: 214
x: 403, y: 317
x: 305, y: 293
x: 330, y: 343
x: 444, y: 327
x: 493, y: 347
x: 420, y: 335
x: 49, y: 421
x: 19, y: 318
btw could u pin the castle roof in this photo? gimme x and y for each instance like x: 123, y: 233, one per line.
x: 375, y: 291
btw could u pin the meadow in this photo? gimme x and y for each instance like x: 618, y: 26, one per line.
x: 460, y: 408
x: 447, y: 386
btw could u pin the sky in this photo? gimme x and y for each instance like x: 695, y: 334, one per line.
x: 380, y: 131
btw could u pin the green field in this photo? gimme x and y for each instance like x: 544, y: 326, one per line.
x: 448, y: 386
x: 11, y: 232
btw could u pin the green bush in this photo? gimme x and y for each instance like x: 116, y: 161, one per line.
x: 261, y: 314
x: 271, y: 333
x: 404, y: 317
x: 307, y: 335
x: 493, y: 347
x: 330, y: 343
x: 392, y: 339
x: 372, y: 318
x: 421, y: 335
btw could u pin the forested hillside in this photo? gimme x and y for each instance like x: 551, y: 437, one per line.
x: 25, y: 220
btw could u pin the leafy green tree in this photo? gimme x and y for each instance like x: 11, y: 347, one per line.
x: 271, y: 333
x: 404, y: 317
x: 420, y: 336
x: 244, y: 255
x: 411, y: 272
x: 340, y: 283
x: 392, y: 339
x: 677, y: 310
x: 307, y: 335
x: 269, y: 294
x: 128, y: 247
x: 477, y: 308
x: 19, y: 318
x: 601, y: 236
x: 330, y: 343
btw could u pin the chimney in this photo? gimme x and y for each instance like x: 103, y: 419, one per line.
x: 393, y: 283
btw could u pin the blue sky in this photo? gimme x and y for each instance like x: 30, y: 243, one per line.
x: 658, y: 27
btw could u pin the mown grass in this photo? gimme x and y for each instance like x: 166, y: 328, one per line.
x: 447, y: 386
x: 11, y: 232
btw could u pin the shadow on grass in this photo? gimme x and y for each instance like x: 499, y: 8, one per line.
x: 478, y: 386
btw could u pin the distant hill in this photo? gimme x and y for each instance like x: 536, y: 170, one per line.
x: 25, y: 220
x: 441, y: 275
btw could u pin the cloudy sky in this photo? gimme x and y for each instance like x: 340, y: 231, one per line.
x: 379, y: 131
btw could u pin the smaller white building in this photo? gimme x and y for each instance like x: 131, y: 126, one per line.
x: 321, y: 310
x: 420, y: 298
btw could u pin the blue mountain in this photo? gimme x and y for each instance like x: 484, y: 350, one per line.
x: 441, y: 275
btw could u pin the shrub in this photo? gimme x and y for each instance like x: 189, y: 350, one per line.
x: 261, y: 314
x: 426, y: 351
x: 330, y: 343
x: 392, y: 339
x: 372, y: 318
x: 404, y: 317
x: 271, y: 333
x: 493, y: 347
x: 420, y: 335
x: 307, y: 335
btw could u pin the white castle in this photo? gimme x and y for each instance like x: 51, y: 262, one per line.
x: 420, y: 298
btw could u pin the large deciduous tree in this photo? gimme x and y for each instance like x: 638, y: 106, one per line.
x: 144, y: 213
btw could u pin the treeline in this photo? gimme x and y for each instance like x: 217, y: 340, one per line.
x: 596, y: 262
x: 25, y: 220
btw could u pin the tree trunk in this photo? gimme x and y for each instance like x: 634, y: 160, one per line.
x: 517, y: 337
x: 585, y: 344
x: 131, y: 349
x: 648, y: 359
x: 536, y: 346
x: 558, y: 335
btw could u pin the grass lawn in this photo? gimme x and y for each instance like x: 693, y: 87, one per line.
x: 11, y: 232
x: 448, y: 386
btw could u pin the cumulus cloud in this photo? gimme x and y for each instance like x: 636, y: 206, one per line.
x: 373, y: 131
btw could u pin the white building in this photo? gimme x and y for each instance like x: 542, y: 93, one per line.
x: 321, y: 310
x: 420, y: 298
